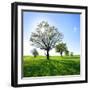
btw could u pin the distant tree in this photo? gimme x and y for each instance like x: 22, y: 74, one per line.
x: 45, y: 37
x: 66, y: 52
x: 61, y: 47
x: 35, y: 52
x: 71, y: 53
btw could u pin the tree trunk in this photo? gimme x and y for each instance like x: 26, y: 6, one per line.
x: 61, y: 54
x: 48, y: 54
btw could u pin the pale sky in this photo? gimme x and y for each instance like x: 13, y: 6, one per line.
x: 68, y: 24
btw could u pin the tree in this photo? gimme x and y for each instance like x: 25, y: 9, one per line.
x: 45, y: 37
x: 66, y: 52
x: 61, y: 47
x: 35, y: 52
x: 71, y: 54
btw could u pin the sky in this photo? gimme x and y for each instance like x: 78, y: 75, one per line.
x: 67, y: 23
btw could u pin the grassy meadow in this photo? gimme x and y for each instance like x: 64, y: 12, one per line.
x: 56, y: 66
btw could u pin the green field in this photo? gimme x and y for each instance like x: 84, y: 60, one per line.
x: 56, y: 66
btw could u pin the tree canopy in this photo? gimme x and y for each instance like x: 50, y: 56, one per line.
x: 66, y: 52
x: 45, y: 37
x: 71, y: 54
x: 61, y: 47
x: 34, y: 52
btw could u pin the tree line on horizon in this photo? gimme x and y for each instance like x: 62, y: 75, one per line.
x: 66, y: 53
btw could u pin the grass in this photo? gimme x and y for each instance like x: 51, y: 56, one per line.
x: 56, y: 66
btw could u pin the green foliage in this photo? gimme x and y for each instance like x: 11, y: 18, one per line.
x: 61, y: 47
x: 71, y: 53
x: 66, y: 52
x: 40, y: 66
x: 35, y: 52
x: 45, y: 37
